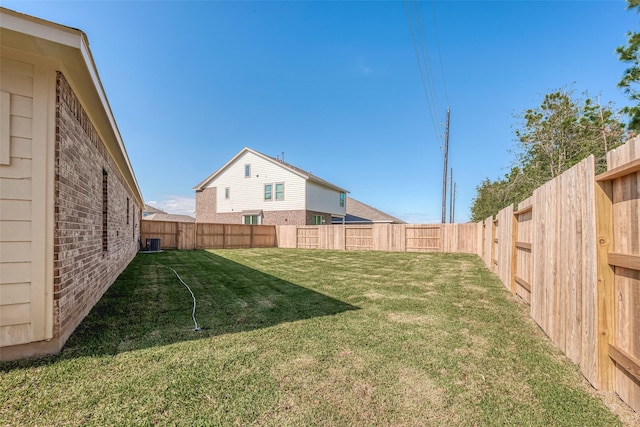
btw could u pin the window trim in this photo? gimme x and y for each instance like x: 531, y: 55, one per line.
x: 257, y: 217
x: 318, y: 220
x: 247, y: 170
x: 270, y: 198
x: 105, y: 211
x: 227, y: 193
x: 342, y: 199
x: 276, y: 191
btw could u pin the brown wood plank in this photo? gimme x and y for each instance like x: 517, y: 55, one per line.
x: 520, y: 281
x: 524, y: 210
x: 632, y: 262
x: 605, y: 283
x: 514, y: 253
x: 523, y: 245
x: 627, y: 361
x: 622, y: 170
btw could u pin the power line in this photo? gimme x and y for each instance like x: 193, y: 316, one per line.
x: 424, y: 85
x: 435, y: 27
x: 422, y: 38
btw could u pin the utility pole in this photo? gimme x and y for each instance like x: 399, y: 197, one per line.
x: 444, y: 174
x: 451, y: 196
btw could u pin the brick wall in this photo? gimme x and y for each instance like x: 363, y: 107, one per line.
x: 88, y: 192
x: 206, y: 205
x: 284, y: 218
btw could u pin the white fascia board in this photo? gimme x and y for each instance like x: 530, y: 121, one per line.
x: 35, y: 27
x: 77, y: 41
x: 93, y: 72
x: 202, y: 185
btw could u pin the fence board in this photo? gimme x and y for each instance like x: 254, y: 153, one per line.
x: 307, y: 238
x: 462, y: 238
x: 180, y: 235
x: 524, y: 261
x: 487, y: 251
x: 587, y: 271
x: 167, y: 232
x: 209, y: 236
x: 186, y: 238
x: 358, y: 237
x: 420, y: 238
x: 502, y: 253
x: 286, y: 236
x: 454, y: 238
x: 626, y: 241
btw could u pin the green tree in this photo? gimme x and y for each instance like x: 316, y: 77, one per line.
x: 630, y: 53
x: 553, y: 137
x: 561, y: 132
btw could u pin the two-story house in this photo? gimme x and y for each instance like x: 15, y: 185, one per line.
x: 253, y: 188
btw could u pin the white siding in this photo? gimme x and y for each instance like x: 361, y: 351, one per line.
x: 248, y: 193
x: 24, y: 192
x: 323, y: 199
x: 15, y: 203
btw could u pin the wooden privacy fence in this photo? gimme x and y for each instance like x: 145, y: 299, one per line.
x: 572, y: 251
x: 190, y: 235
x: 463, y: 238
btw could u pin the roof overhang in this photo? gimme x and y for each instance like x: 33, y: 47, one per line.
x: 68, y: 50
x: 202, y: 185
x: 252, y: 212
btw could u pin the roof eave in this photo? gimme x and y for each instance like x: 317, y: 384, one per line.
x: 69, y: 48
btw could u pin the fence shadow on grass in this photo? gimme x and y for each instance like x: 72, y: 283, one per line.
x: 148, y: 305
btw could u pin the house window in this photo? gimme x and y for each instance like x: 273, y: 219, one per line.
x: 247, y: 171
x: 227, y: 192
x: 280, y: 191
x: 127, y: 211
x: 268, y: 191
x: 105, y: 211
x: 251, y: 219
x: 317, y: 220
x: 342, y: 199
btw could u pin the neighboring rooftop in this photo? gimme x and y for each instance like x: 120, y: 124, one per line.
x: 161, y: 216
x: 361, y: 213
x: 148, y: 210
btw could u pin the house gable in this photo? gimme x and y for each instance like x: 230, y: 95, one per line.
x: 254, y: 182
x: 237, y: 193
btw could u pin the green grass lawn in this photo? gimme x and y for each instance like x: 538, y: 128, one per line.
x: 295, y: 337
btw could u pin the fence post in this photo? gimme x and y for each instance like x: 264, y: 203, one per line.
x: 493, y: 244
x: 514, y: 252
x: 605, y: 282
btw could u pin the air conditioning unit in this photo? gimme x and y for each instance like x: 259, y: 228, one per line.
x: 153, y: 245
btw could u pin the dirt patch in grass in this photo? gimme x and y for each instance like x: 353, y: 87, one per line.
x: 412, y: 318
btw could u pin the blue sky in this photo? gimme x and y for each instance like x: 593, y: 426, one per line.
x: 337, y: 88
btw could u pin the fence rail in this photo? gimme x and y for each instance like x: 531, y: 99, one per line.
x: 456, y: 238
